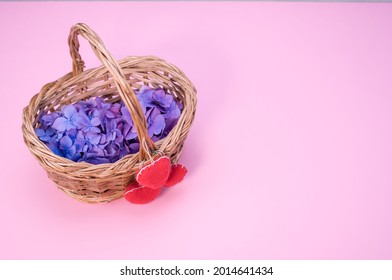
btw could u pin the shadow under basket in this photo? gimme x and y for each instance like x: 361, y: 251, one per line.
x: 113, y: 81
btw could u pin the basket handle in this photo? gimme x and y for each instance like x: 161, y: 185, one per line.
x: 124, y: 89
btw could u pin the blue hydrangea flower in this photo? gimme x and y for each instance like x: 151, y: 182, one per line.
x: 54, y: 147
x: 98, y: 132
x: 68, y: 148
x: 70, y: 119
x: 45, y: 135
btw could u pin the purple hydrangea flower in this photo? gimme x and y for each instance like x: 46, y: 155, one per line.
x: 155, y: 122
x: 144, y: 95
x: 87, y: 106
x: 129, y: 132
x: 91, y: 138
x: 173, y: 111
x: 104, y: 109
x: 47, y: 120
x: 161, y: 100
x: 98, y: 132
x: 70, y: 119
x: 111, y: 130
x: 91, y: 122
x: 45, y: 135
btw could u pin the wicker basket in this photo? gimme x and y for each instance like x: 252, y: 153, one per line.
x: 113, y: 81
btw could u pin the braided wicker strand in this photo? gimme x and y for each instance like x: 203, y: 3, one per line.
x: 113, y: 81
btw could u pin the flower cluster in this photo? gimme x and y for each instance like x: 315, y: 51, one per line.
x: 97, y: 132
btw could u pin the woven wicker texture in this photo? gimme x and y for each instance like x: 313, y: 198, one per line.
x: 113, y: 81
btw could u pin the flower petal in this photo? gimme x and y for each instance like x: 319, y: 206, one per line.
x: 54, y: 148
x: 127, y: 115
x: 109, y: 114
x: 65, y: 142
x: 158, y: 125
x: 60, y: 124
x: 68, y: 111
x: 40, y: 132
x: 95, y: 129
x: 95, y: 121
x: 93, y: 138
x: 50, y: 131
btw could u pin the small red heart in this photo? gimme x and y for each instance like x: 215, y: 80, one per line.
x: 178, y: 173
x: 154, y: 175
x: 137, y: 194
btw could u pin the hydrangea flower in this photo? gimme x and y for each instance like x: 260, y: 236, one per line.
x: 70, y: 119
x: 68, y: 148
x: 47, y: 120
x: 155, y: 122
x: 46, y: 135
x: 91, y: 122
x: 97, y: 131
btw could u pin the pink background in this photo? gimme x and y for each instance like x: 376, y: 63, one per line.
x: 290, y: 154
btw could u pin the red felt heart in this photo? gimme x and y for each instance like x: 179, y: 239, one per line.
x: 178, y: 173
x: 140, y: 195
x: 154, y: 175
